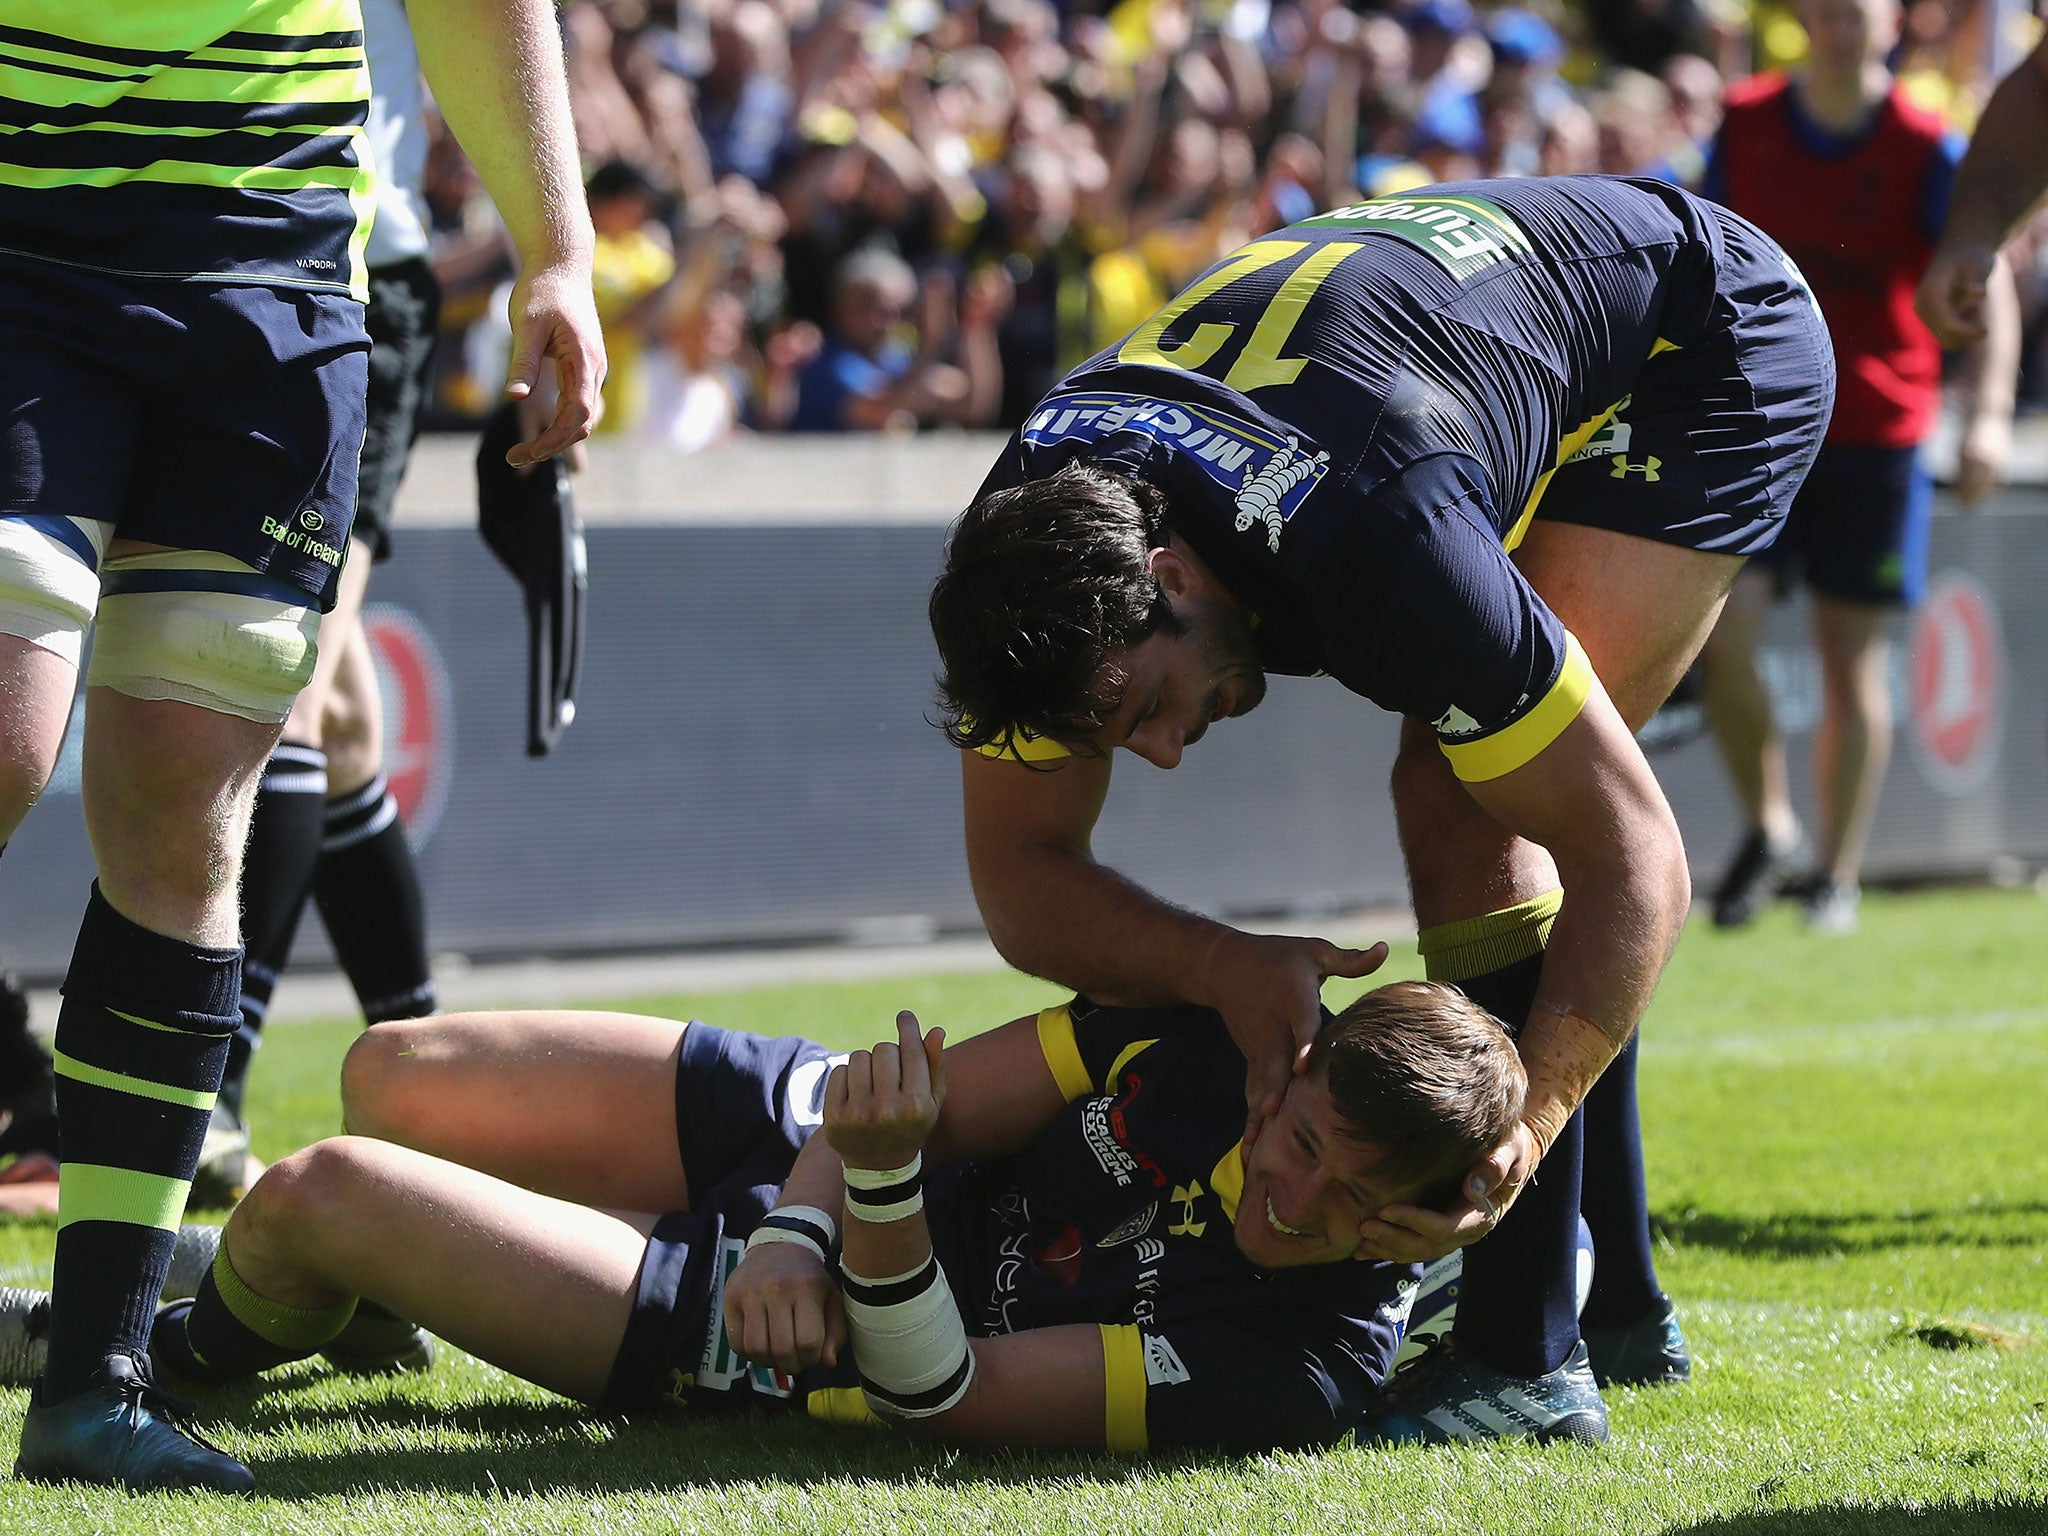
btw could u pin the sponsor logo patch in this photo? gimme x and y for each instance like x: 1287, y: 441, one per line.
x: 1163, y: 1367
x: 1267, y: 476
x: 1465, y: 235
x: 1126, y: 1231
x: 1115, y: 1161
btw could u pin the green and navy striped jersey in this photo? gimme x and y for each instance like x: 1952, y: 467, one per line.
x: 216, y: 140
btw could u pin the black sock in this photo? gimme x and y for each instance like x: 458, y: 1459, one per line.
x: 228, y: 1330
x: 277, y: 872
x: 1625, y: 1288
x: 368, y: 888
x: 1517, y: 1301
x: 141, y: 1041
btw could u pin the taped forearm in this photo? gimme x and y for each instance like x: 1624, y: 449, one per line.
x: 1564, y: 1052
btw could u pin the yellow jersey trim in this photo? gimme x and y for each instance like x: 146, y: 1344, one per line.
x: 1123, y: 1389
x: 1226, y: 1180
x: 1023, y: 747
x: 843, y: 1405
x: 1063, y: 1053
x: 1123, y: 1060
x: 1510, y: 747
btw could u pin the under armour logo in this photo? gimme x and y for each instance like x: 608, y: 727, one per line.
x: 1647, y: 468
x: 1185, y: 1196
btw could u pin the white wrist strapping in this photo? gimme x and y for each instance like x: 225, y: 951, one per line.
x: 804, y: 1225
x: 908, y: 1341
x: 886, y: 1194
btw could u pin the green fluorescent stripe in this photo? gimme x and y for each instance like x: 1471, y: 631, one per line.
x: 145, y: 1023
x: 181, y: 173
x: 141, y: 1087
x: 92, y: 1192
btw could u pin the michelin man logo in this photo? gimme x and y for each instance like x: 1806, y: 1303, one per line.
x: 1220, y: 447
x: 1260, y: 501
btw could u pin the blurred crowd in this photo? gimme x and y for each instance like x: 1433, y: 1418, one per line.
x: 843, y: 215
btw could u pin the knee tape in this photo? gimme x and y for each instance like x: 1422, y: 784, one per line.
x: 50, y: 580
x: 204, y: 629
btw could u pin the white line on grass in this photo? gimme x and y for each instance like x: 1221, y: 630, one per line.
x: 1872, y: 1037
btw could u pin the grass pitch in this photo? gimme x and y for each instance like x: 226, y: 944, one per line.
x: 1850, y: 1185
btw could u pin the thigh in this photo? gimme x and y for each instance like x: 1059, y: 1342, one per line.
x: 539, y: 1286
x: 577, y: 1105
x: 1641, y: 607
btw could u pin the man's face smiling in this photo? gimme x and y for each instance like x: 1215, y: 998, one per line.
x: 1170, y: 688
x: 1308, y: 1184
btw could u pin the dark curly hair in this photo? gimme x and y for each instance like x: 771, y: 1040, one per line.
x: 1042, y: 584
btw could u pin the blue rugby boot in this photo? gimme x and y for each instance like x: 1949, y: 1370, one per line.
x: 1648, y: 1353
x: 124, y: 1431
x: 1446, y: 1397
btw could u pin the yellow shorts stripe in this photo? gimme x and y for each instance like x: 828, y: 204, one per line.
x: 1226, y: 1180
x: 1123, y: 1389
x: 1123, y: 1059
x: 92, y: 1192
x: 1510, y: 747
x: 1063, y: 1053
x: 99, y: 1077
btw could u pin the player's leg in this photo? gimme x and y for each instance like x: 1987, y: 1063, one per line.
x: 367, y: 883
x: 1874, y: 561
x: 1851, y: 749
x: 542, y: 1287
x: 240, y: 492
x: 277, y: 867
x: 577, y: 1105
x: 1753, y: 748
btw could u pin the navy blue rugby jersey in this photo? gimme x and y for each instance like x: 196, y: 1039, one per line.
x: 1120, y: 1214
x: 1355, y: 418
x: 216, y: 140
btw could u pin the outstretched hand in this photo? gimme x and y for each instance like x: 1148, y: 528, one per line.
x: 1269, y: 989
x: 554, y: 318
x: 881, y: 1105
x: 1411, y: 1234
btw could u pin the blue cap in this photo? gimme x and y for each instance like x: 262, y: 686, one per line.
x: 1452, y: 16
x: 1522, y: 37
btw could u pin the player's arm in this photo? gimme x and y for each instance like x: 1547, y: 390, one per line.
x: 496, y: 69
x: 781, y: 1304
x: 1045, y: 1387
x: 2001, y: 178
x: 1053, y: 911
x: 1591, y: 800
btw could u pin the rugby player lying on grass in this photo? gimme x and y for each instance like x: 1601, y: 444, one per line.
x: 1118, y: 1268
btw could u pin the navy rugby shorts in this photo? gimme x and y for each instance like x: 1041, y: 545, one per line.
x: 1710, y: 449
x: 745, y: 1105
x: 404, y: 320
x: 206, y: 416
x: 1858, y: 529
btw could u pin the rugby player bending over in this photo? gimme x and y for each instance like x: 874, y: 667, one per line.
x: 1049, y: 1234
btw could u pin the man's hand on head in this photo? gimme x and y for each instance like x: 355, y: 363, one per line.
x: 1412, y: 1234
x: 1269, y: 989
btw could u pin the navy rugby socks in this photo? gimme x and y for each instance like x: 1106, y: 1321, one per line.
x: 1516, y: 1303
x: 141, y: 1041
x: 229, y: 1330
x: 1617, y: 1207
x: 368, y: 888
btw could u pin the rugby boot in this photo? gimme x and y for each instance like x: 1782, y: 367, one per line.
x: 1754, y: 879
x: 24, y: 1335
x: 1447, y: 1397
x: 123, y: 1431
x: 378, y: 1342
x: 1647, y: 1353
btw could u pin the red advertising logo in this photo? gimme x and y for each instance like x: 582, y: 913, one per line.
x: 419, y: 716
x: 1958, y: 670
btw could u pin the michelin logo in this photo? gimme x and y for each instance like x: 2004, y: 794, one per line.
x: 1266, y: 476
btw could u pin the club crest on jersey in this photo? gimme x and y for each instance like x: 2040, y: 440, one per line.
x: 1266, y: 475
x: 1130, y: 1230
